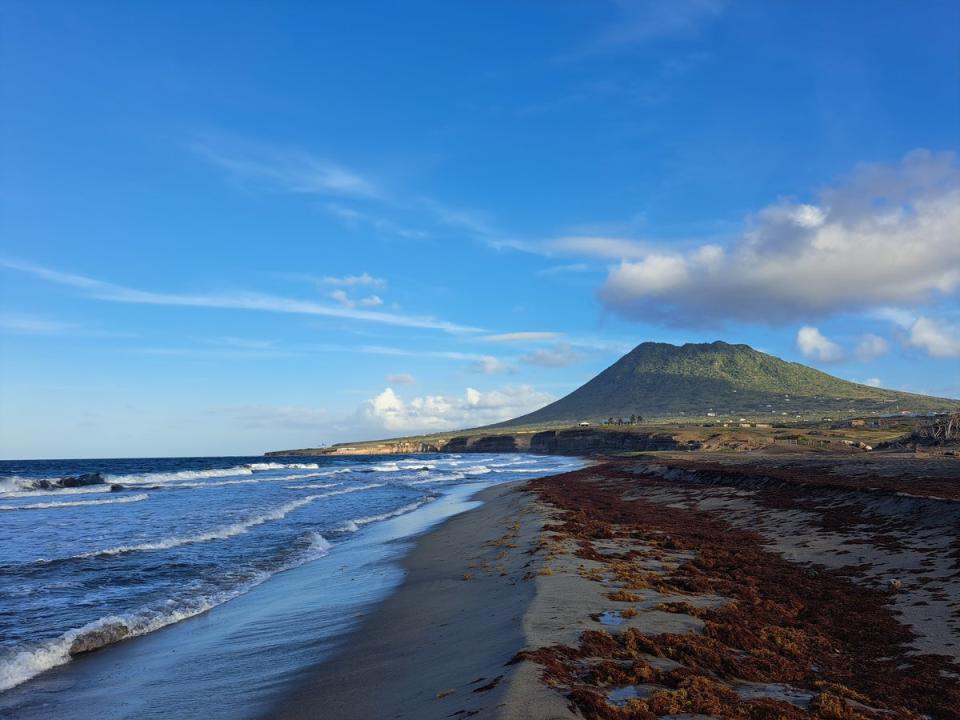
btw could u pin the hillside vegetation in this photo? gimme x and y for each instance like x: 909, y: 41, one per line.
x: 723, y: 381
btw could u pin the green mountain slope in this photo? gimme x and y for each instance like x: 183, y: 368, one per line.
x: 661, y: 381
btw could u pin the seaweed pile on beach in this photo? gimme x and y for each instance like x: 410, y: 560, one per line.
x: 777, y: 639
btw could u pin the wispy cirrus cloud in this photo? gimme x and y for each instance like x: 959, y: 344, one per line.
x: 636, y: 22
x: 512, y: 337
x: 286, y: 169
x: 363, y: 279
x: 400, y: 379
x: 294, y: 170
x: 252, y: 301
x: 560, y: 356
x: 351, y: 217
x: 33, y: 325
x: 341, y: 297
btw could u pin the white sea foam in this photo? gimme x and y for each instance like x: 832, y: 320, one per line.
x: 248, y: 481
x: 21, y: 664
x: 17, y: 484
x: 475, y: 470
x: 159, y: 478
x: 27, y: 489
x: 281, y: 466
x: 357, y: 523
x: 313, y: 486
x: 438, y: 478
x: 386, y: 467
x: 76, y: 503
x: 416, y: 465
x: 510, y: 463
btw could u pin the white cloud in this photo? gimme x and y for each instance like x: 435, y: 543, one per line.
x: 490, y: 365
x: 401, y: 379
x: 236, y: 301
x: 815, y: 346
x: 364, y: 279
x: 390, y: 413
x: 890, y: 236
x: 938, y: 339
x: 871, y: 347
x: 560, y: 356
x: 521, y: 337
x: 341, y: 297
x: 353, y: 218
x: 290, y: 170
x: 873, y: 382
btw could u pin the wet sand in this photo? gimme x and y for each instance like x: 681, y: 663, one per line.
x: 439, y: 646
x: 645, y: 588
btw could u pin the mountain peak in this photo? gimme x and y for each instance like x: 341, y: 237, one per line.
x: 658, y: 380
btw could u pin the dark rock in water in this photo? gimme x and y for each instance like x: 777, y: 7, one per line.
x: 81, y: 480
x: 45, y: 485
x: 117, y: 488
x: 101, y: 637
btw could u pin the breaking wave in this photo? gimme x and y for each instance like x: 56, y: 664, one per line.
x: 76, y: 503
x: 221, y: 533
x: 345, y: 491
x: 386, y: 467
x: 357, y: 523
x: 21, y: 664
x: 165, y: 477
x: 27, y: 487
x: 438, y: 478
x: 248, y: 469
x: 282, y: 466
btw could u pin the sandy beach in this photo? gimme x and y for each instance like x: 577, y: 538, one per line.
x: 674, y: 587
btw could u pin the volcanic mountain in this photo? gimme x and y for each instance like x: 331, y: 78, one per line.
x: 662, y: 381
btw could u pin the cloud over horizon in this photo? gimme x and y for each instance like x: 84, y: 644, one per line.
x: 389, y: 412
x: 890, y: 235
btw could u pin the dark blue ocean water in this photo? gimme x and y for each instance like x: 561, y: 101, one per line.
x: 184, y: 536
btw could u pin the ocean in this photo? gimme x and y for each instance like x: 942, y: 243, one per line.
x: 205, y: 584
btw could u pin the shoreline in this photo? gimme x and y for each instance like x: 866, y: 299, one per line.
x: 439, y: 643
x: 238, y: 658
x: 614, y: 592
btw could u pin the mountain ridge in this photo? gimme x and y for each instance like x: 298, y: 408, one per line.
x: 719, y: 379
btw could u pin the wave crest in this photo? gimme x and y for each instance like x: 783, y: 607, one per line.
x: 21, y: 664
x: 76, y: 503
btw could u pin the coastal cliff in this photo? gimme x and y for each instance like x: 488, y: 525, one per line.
x: 574, y: 441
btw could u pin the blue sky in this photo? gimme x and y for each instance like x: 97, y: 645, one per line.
x: 228, y: 231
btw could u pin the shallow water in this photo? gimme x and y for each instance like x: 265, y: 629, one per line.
x: 229, y: 574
